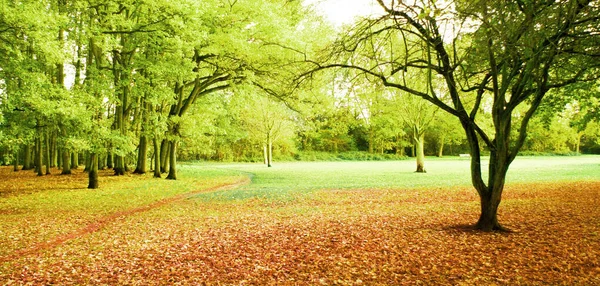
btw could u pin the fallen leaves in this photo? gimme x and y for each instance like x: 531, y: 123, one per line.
x: 341, y: 237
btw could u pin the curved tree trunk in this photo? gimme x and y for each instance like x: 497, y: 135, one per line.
x: 172, y: 161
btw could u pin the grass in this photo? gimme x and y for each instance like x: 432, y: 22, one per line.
x: 296, y: 178
x: 345, y: 223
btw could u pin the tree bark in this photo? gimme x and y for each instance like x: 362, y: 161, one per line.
x: 48, y: 159
x: 156, y: 158
x: 74, y: 160
x: 119, y: 165
x: 270, y: 153
x: 93, y: 174
x: 16, y: 161
x: 26, y: 157
x: 419, y: 146
x: 164, y: 151
x: 66, y: 160
x: 142, y: 156
x: 265, y: 154
x: 441, y: 147
x: 38, y: 155
x: 172, y: 161
x: 109, y: 160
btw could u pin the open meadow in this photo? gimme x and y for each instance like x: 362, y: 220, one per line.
x: 303, y: 223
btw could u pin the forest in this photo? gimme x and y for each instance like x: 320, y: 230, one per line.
x: 259, y: 142
x: 135, y: 85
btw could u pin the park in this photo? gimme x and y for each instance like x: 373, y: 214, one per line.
x: 311, y: 142
x: 348, y: 223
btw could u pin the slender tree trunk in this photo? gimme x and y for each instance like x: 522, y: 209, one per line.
x: 441, y: 147
x: 93, y: 173
x: 172, y: 161
x: 16, y: 161
x: 265, y: 154
x: 48, y: 161
x: 270, y: 153
x: 142, y: 156
x: 38, y: 155
x: 53, y: 161
x: 156, y: 158
x: 371, y: 139
x: 419, y: 145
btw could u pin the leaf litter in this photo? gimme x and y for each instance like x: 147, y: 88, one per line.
x: 337, y: 237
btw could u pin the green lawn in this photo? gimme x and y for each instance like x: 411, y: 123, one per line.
x: 287, y: 178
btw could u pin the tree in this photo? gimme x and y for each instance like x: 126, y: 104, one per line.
x: 507, y: 54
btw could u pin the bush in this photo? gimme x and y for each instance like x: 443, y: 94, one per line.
x: 536, y: 153
x: 345, y: 156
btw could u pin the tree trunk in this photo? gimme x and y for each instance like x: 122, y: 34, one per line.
x: 38, y: 155
x: 140, y: 168
x: 53, y: 153
x: 265, y: 154
x: 48, y: 159
x: 26, y: 157
x: 74, y: 160
x: 93, y: 174
x: 172, y: 161
x: 66, y: 160
x: 119, y: 165
x: 488, y: 219
x: 156, y: 158
x: 270, y: 153
x: 16, y: 161
x: 419, y: 146
x: 109, y: 160
x: 441, y: 147
x: 371, y: 139
x: 88, y: 162
x: 164, y: 150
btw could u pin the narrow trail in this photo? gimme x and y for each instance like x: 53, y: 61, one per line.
x: 101, y: 222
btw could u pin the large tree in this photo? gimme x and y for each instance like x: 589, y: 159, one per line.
x: 494, y: 55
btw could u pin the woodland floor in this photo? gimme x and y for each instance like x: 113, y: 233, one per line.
x: 136, y: 230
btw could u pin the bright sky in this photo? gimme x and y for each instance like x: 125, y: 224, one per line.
x: 341, y: 12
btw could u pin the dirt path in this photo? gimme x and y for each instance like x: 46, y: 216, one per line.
x: 101, y: 222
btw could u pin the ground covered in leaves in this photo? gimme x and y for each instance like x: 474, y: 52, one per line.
x: 169, y: 233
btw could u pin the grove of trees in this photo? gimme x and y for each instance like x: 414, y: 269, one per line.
x: 135, y: 85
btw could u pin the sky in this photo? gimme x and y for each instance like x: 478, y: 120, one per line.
x: 341, y: 12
